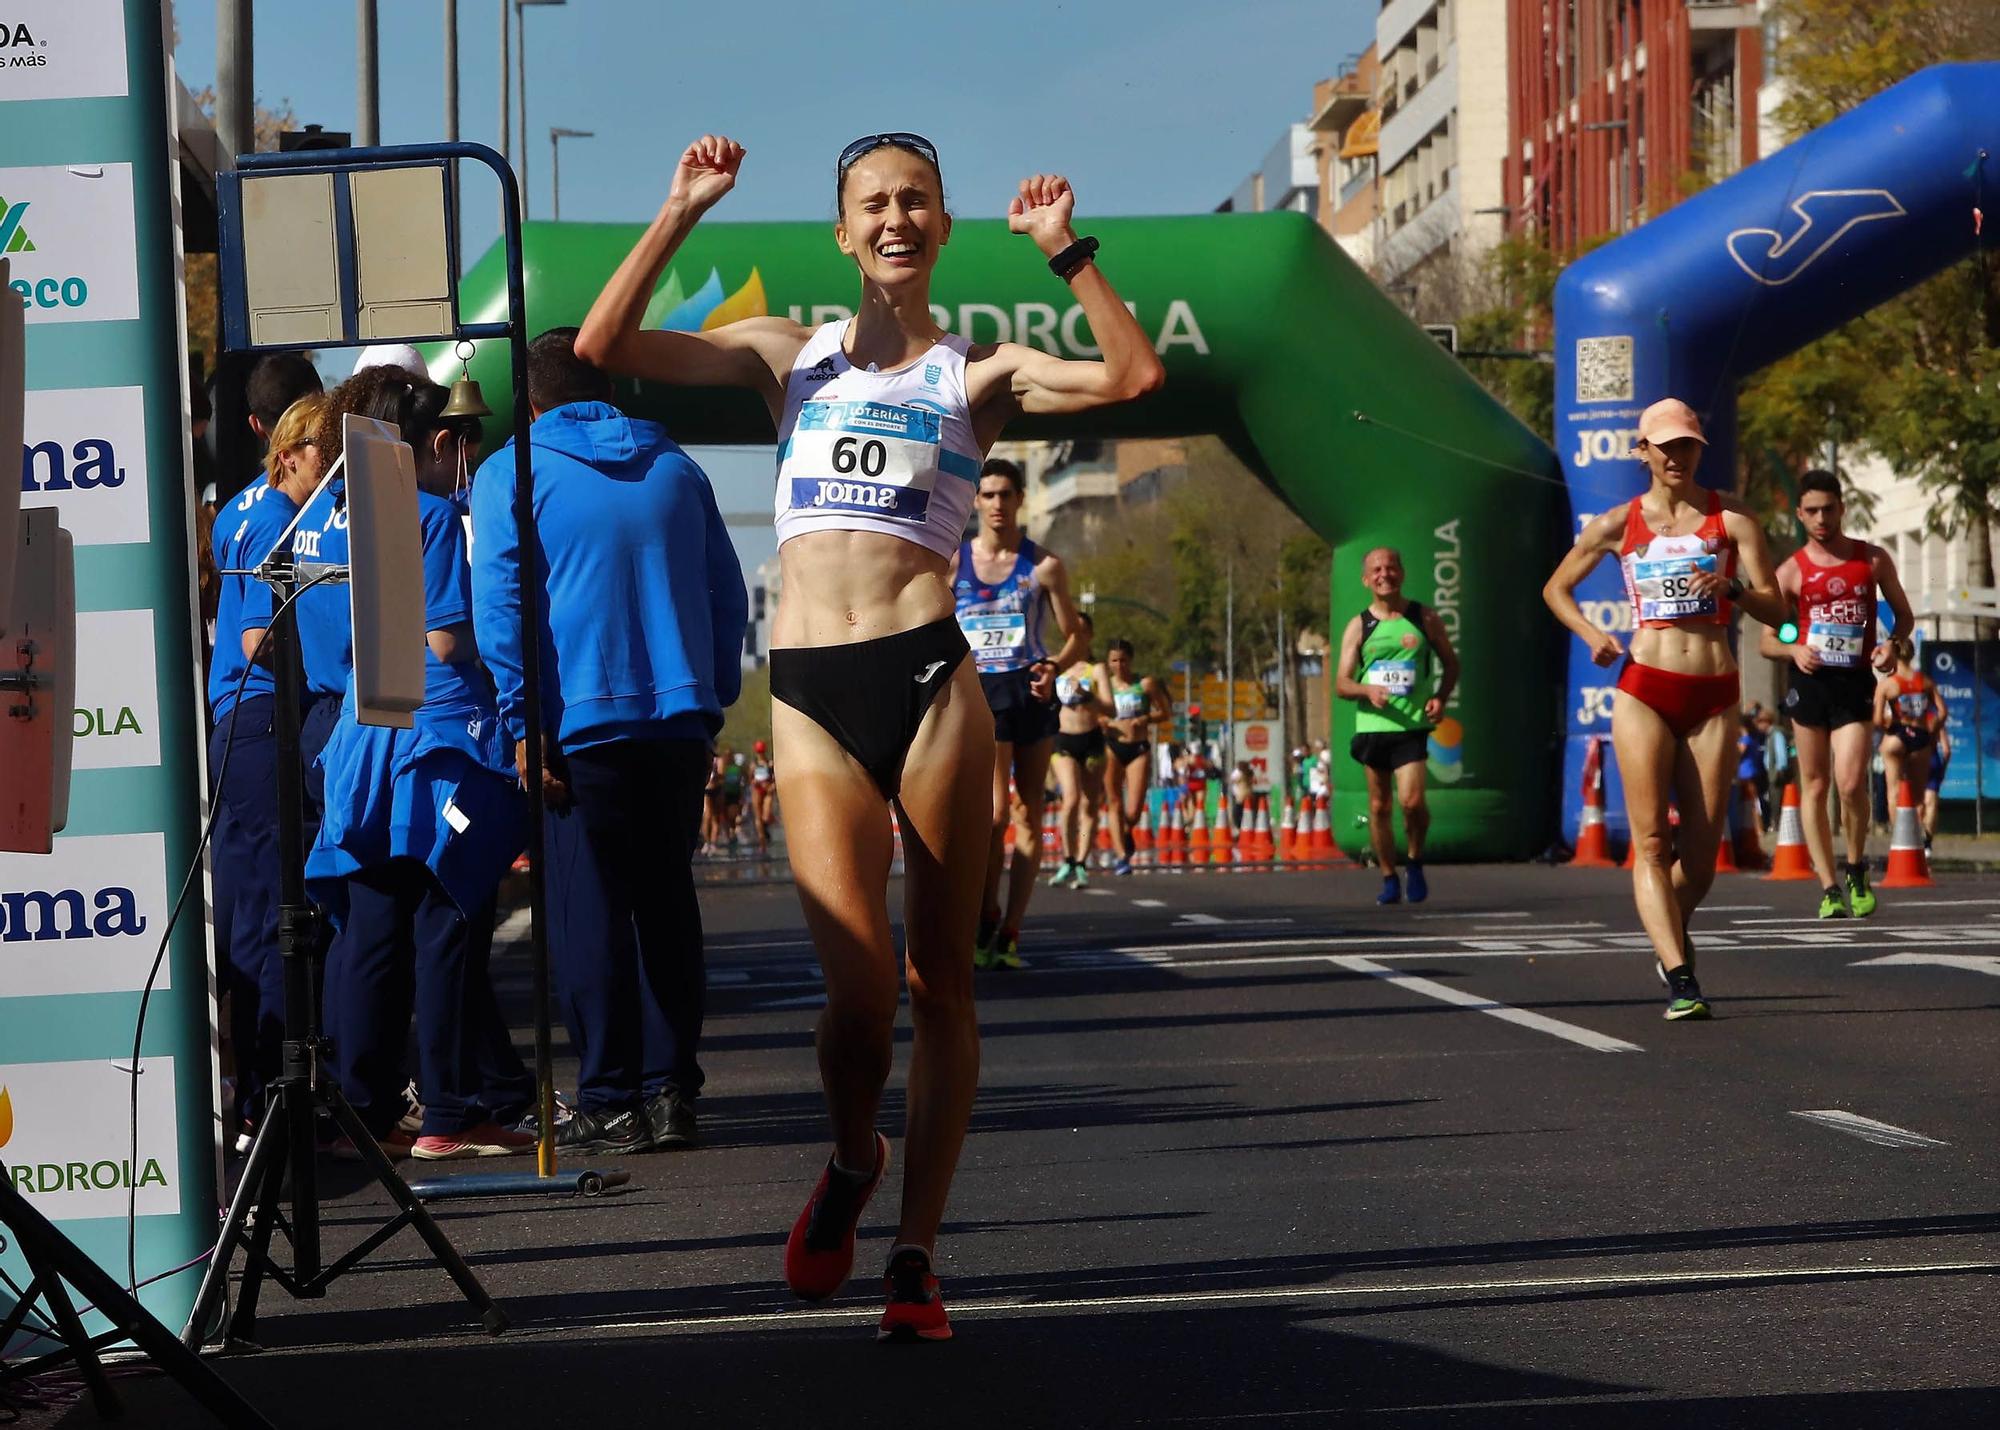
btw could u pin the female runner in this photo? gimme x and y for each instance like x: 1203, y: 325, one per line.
x: 1673, y: 720
x: 882, y: 423
x: 1136, y: 706
x: 1079, y: 761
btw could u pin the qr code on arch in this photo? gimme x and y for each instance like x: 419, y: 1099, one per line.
x: 1603, y: 369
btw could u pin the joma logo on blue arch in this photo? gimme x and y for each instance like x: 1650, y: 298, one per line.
x: 37, y: 916
x: 88, y: 463
x: 1825, y: 215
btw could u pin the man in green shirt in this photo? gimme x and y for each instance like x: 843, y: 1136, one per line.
x: 1397, y: 665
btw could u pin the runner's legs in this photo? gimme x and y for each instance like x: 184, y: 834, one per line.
x: 1702, y: 783
x: 1031, y: 776
x: 1648, y: 757
x: 944, y: 806
x: 1382, y: 818
x: 1137, y: 776
x: 1815, y: 749
x: 997, y: 834
x: 841, y: 851
x: 1852, y: 745
x: 1893, y: 766
x: 1416, y: 810
x: 1069, y: 779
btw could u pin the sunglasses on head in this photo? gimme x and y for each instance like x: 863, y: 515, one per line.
x: 900, y: 139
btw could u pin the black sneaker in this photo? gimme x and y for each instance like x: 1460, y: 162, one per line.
x: 587, y: 1131
x: 670, y: 1120
x: 1686, y: 1000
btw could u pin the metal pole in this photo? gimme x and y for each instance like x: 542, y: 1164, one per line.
x: 1284, y: 725
x: 1978, y: 740
x: 506, y: 103
x: 521, y: 95
x: 1229, y: 661
x: 555, y: 176
x: 451, y: 101
x: 234, y: 86
x: 367, y: 94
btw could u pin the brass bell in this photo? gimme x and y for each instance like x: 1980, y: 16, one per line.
x: 466, y: 400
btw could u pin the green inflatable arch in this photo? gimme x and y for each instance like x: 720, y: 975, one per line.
x: 1274, y: 341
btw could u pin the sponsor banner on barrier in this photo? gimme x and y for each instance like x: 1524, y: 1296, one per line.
x: 74, y: 49
x: 83, y: 452
x: 69, y: 234
x: 85, y: 918
x: 117, y: 720
x: 65, y: 1136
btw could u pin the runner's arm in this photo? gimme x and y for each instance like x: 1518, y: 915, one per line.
x: 1163, y: 701
x: 1344, y: 683
x: 1100, y: 691
x: 1035, y: 381
x: 1054, y: 578
x: 1440, y: 640
x: 1884, y: 701
x: 751, y: 352
x: 1599, y: 538
x: 1890, y: 583
x: 1760, y: 595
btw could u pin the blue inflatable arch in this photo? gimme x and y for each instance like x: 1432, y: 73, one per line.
x: 1738, y: 276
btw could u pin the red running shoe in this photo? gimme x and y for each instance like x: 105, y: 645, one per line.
x: 915, y: 1311
x: 819, y: 1254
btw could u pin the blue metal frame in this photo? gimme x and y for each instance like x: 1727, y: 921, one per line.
x: 341, y: 163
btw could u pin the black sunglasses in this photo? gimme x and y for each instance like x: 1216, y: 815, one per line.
x: 900, y: 139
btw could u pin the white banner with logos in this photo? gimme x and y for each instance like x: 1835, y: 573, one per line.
x: 69, y: 234
x: 1260, y: 745
x: 83, y: 452
x: 62, y: 49
x: 65, y: 1135
x: 84, y: 919
x: 117, y: 721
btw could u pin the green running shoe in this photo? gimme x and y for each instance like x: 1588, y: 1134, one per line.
x: 982, y: 947
x: 1833, y: 905
x: 1081, y: 878
x: 1061, y: 875
x: 1860, y: 898
x: 1685, y: 1000
x: 1006, y: 953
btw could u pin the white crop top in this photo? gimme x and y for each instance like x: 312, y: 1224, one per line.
x: 863, y: 451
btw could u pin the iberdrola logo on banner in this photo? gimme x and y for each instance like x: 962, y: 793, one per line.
x: 74, y: 1156
x: 674, y: 310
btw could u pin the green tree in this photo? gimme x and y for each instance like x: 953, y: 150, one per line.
x: 1518, y: 315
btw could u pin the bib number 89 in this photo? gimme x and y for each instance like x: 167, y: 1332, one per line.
x: 852, y: 453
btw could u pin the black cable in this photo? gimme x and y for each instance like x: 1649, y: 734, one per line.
x: 132, y: 1282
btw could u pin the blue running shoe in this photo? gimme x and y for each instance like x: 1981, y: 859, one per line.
x: 1415, y: 884
x: 1392, y: 890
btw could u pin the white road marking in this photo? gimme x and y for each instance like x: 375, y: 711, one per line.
x: 1162, y: 903
x: 1185, y: 920
x: 1583, y: 1037
x: 1501, y: 914
x: 1970, y: 962
x: 1804, y: 920
x: 1538, y: 929
x: 1882, y: 1134
x: 514, y: 928
x: 810, y: 1000
x: 1945, y: 903
x: 1101, y: 893
x: 1737, y: 909
x: 1275, y: 1295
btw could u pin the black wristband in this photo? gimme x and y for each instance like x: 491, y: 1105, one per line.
x: 1736, y: 588
x: 1065, y: 264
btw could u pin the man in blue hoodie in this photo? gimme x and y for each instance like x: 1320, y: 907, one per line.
x: 644, y: 611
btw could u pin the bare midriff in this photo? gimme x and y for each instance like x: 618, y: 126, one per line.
x: 839, y: 587
x: 1688, y: 649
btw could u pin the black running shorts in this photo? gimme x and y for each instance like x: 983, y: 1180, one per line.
x: 1018, y: 717
x: 1831, y: 696
x: 1388, y: 750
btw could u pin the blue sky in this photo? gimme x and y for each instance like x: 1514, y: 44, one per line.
x: 1150, y: 106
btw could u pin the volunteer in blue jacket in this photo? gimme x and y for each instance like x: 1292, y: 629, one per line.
x: 419, y: 827
x: 243, y: 848
x: 641, y: 650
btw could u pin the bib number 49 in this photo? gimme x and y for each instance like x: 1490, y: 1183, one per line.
x: 851, y: 454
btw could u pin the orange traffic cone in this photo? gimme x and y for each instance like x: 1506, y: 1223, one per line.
x: 1287, y: 833
x: 1142, y: 832
x: 1223, y: 849
x: 1790, y: 860
x: 1322, y: 830
x: 1909, y: 864
x: 1197, y: 839
x: 1173, y: 847
x: 1593, y: 839
x: 1260, y: 831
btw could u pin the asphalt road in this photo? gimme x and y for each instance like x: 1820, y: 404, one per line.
x: 1251, y: 1151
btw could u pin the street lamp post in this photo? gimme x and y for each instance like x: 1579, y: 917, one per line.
x: 556, y: 135
x: 521, y: 84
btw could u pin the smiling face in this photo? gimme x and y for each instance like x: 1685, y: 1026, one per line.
x: 892, y: 218
x: 1382, y: 571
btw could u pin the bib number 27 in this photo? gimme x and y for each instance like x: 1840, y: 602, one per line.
x: 867, y: 456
